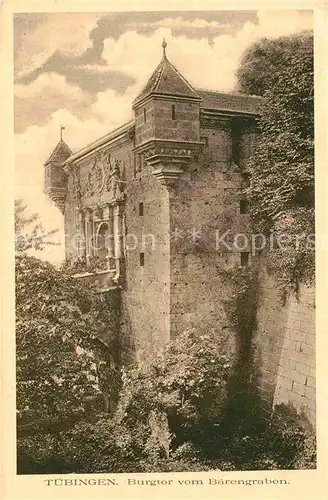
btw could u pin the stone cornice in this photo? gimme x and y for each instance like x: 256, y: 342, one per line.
x: 167, y: 146
x: 165, y: 97
x: 213, y: 118
x: 168, y: 158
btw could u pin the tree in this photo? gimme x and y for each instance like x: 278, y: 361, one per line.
x: 29, y: 232
x: 61, y: 361
x: 180, y: 396
x: 262, y: 61
x: 281, y: 194
x: 57, y: 329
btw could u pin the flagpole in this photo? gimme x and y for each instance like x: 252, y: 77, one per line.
x: 61, y: 132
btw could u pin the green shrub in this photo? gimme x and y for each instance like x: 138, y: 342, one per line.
x: 186, y: 384
x: 286, y: 442
x: 292, y: 438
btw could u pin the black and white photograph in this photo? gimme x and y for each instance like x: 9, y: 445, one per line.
x: 165, y: 316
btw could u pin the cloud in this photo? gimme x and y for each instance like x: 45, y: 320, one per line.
x: 66, y: 33
x: 111, y: 107
x: 35, y: 103
x: 50, y: 84
x: 137, y: 55
x: 180, y: 23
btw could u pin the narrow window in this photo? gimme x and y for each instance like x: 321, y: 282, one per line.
x: 138, y: 162
x: 173, y: 111
x: 244, y: 259
x: 236, y: 141
x: 145, y: 115
x: 135, y: 166
x: 141, y: 209
x: 243, y: 206
x: 245, y: 180
x: 142, y: 260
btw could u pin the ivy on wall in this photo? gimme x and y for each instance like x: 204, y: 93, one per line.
x: 281, y: 194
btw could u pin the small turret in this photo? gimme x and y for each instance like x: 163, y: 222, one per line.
x: 167, y: 128
x: 55, y: 176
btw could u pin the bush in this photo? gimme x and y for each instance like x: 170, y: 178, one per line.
x: 179, y: 396
x: 87, y: 447
x: 286, y: 442
x: 292, y: 437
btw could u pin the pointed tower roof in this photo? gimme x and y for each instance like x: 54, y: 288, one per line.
x: 166, y: 80
x: 60, y: 153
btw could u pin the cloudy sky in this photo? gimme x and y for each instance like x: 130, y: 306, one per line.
x: 83, y: 70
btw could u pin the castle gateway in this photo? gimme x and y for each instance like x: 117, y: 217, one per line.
x: 145, y: 209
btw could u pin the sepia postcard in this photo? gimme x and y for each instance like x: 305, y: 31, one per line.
x: 164, y: 187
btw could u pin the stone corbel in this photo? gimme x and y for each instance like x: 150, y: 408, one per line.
x: 58, y: 196
x: 168, y: 169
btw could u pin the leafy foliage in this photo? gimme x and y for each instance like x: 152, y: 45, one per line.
x: 57, y: 328
x: 287, y: 441
x: 187, y: 383
x: 182, y: 392
x: 257, y: 71
x: 81, y: 265
x: 281, y: 194
x: 61, y: 365
x: 29, y: 231
x: 172, y: 423
x: 292, y: 260
x: 243, y: 410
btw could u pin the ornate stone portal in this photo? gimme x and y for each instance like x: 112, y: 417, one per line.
x: 100, y: 225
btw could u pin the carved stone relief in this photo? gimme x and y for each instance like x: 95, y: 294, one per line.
x: 102, y: 176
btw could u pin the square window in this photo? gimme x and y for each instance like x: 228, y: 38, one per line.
x: 244, y: 259
x: 142, y: 259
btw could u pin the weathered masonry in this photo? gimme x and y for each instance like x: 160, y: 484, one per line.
x: 149, y: 201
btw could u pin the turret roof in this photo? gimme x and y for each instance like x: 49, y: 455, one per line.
x: 60, y: 153
x: 166, y: 80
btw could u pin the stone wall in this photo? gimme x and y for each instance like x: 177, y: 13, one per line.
x: 173, y: 262
x: 70, y: 220
x: 185, y: 126
x: 285, y: 347
x: 145, y: 123
x: 154, y: 120
x: 145, y: 326
x: 203, y: 205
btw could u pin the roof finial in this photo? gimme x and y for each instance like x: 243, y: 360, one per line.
x: 61, y: 132
x: 164, y: 45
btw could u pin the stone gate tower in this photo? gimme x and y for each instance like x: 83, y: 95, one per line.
x: 154, y: 195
